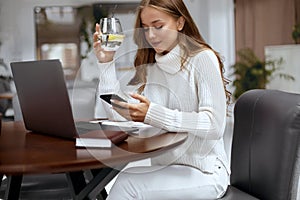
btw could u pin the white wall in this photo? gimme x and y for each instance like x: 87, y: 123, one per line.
x: 221, y: 30
x: 215, y: 20
x: 290, y: 55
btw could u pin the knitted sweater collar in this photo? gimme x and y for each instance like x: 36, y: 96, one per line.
x: 171, y: 62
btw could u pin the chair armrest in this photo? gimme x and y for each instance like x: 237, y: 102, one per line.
x: 233, y: 193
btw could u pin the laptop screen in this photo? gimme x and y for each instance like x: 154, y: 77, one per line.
x: 43, y: 97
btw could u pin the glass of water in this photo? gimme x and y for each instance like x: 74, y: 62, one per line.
x: 111, y: 36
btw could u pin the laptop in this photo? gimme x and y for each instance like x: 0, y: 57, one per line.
x: 45, y: 103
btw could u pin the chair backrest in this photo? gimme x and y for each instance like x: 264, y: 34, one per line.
x: 265, y: 144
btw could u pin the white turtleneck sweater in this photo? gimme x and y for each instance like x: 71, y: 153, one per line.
x: 191, y: 100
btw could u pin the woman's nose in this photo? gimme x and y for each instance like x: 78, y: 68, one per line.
x: 151, y: 33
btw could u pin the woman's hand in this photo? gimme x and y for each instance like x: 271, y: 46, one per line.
x: 134, y: 112
x: 102, y: 56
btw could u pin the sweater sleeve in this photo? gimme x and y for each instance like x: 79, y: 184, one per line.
x: 209, y: 120
x: 108, y: 83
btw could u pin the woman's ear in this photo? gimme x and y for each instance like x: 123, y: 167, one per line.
x: 180, y: 23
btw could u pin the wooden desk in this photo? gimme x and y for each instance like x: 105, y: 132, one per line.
x: 23, y: 152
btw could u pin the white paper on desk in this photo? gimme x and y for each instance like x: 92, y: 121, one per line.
x: 144, y: 130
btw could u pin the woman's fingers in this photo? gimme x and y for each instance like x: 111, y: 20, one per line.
x: 96, y: 35
x: 139, y: 97
x: 97, y: 28
x: 124, y: 112
x: 102, y: 55
x: 134, y: 112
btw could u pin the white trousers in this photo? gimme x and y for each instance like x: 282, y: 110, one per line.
x: 169, y: 182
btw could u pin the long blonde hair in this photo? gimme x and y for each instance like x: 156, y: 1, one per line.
x: 190, y: 40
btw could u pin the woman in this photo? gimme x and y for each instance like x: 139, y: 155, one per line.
x: 181, y: 88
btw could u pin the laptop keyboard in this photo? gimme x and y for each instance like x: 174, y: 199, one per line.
x: 83, y: 127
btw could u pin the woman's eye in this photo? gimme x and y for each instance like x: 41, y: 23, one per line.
x: 146, y: 29
x: 158, y: 27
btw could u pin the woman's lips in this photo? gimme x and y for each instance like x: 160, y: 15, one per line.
x: 155, y: 44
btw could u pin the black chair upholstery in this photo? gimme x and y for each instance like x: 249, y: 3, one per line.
x: 265, y: 145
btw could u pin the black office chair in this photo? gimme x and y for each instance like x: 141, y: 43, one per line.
x: 265, y: 159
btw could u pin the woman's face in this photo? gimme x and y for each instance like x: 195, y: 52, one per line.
x: 161, y: 29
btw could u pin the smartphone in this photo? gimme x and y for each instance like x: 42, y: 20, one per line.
x: 108, y: 97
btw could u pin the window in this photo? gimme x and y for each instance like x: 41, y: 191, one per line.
x: 65, y: 52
